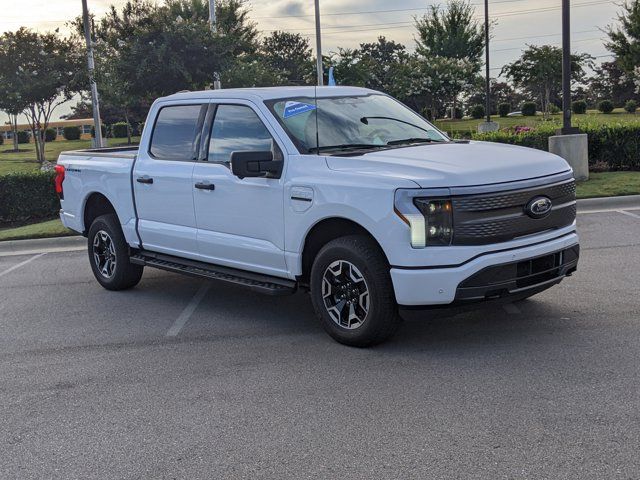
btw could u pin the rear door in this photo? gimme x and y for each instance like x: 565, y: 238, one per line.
x: 162, y: 181
x: 240, y: 221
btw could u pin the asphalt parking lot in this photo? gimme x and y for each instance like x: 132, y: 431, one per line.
x: 183, y: 378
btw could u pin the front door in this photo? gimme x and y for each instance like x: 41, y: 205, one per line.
x: 240, y: 221
x: 163, y: 185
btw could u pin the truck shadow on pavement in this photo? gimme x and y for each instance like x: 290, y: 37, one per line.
x: 235, y: 312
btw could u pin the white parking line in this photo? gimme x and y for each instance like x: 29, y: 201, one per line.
x: 511, y: 309
x: 624, y: 212
x: 21, y: 264
x: 182, y: 320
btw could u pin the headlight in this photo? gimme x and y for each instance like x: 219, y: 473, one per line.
x: 430, y: 218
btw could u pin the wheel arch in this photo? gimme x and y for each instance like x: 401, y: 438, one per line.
x: 95, y: 205
x: 324, y: 231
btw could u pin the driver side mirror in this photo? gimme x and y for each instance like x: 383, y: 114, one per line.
x: 255, y: 164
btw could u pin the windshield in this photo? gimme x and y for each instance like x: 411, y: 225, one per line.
x: 351, y: 123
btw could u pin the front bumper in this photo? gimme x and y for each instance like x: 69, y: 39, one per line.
x: 513, y: 272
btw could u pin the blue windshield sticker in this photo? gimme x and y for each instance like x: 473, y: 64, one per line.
x: 296, y: 108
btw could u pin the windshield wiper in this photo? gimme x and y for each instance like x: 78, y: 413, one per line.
x: 365, y: 120
x: 346, y: 146
x: 412, y: 140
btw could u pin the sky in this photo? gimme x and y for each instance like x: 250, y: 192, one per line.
x: 347, y: 23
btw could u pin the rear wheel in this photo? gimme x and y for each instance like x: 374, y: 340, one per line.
x: 352, y: 293
x: 109, y: 255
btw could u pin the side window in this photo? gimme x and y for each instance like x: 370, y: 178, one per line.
x: 237, y: 128
x: 176, y: 132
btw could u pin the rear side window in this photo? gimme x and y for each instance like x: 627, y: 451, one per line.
x: 237, y: 128
x: 176, y: 132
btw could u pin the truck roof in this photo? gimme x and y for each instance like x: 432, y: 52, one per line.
x: 268, y: 93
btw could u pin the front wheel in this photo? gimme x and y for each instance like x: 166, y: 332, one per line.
x: 109, y: 255
x: 352, y: 292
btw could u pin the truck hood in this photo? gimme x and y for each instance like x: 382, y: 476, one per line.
x: 454, y: 164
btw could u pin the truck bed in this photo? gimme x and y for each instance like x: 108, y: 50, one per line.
x: 118, y: 152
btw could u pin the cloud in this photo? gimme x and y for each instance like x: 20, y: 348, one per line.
x: 293, y: 7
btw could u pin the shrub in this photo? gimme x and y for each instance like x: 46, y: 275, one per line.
x: 579, y: 106
x: 1, y: 139
x: 27, y: 196
x: 103, y: 129
x: 23, y: 136
x: 477, y: 111
x: 528, y: 109
x: 504, y: 109
x: 71, y: 133
x: 50, y: 135
x: 631, y: 106
x: 605, y: 106
x: 553, y: 109
x: 119, y: 130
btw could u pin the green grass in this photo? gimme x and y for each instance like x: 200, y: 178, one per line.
x: 50, y: 228
x: 25, y: 160
x: 609, y: 184
x: 591, y: 117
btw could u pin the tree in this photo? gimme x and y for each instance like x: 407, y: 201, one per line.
x: 538, y: 72
x: 290, y: 55
x: 11, y: 100
x: 451, y: 32
x: 48, y: 71
x: 611, y: 82
x: 624, y: 42
x: 452, y: 38
x: 378, y: 65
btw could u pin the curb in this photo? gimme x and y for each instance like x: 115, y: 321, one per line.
x: 608, y: 203
x: 42, y: 245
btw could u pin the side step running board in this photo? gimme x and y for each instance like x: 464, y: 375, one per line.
x: 255, y: 281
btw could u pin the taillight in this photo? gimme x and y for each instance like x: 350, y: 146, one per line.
x: 58, y: 180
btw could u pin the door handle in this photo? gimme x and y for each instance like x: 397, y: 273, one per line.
x: 205, y: 186
x: 144, y: 179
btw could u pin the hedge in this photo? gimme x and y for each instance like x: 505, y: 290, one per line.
x: 71, y: 133
x: 579, y: 106
x: 50, y: 134
x: 615, y: 144
x: 119, y: 130
x: 27, y: 197
x: 504, y: 109
x: 528, y: 109
x: 605, y: 106
x: 477, y: 112
x: 24, y: 136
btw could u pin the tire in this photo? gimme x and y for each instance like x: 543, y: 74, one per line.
x: 352, y: 293
x: 109, y: 255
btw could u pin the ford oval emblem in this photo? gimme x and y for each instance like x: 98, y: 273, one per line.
x: 538, y: 207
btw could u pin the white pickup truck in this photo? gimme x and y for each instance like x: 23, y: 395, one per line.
x: 340, y: 191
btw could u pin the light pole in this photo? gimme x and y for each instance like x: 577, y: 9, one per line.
x: 95, y: 102
x: 569, y: 143
x: 567, y: 129
x: 487, y: 125
x: 486, y: 49
x: 318, y: 45
x: 214, y: 30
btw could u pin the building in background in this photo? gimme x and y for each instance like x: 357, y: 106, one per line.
x: 85, y: 124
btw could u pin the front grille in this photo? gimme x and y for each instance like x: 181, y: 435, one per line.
x: 514, y: 277
x: 481, y: 219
